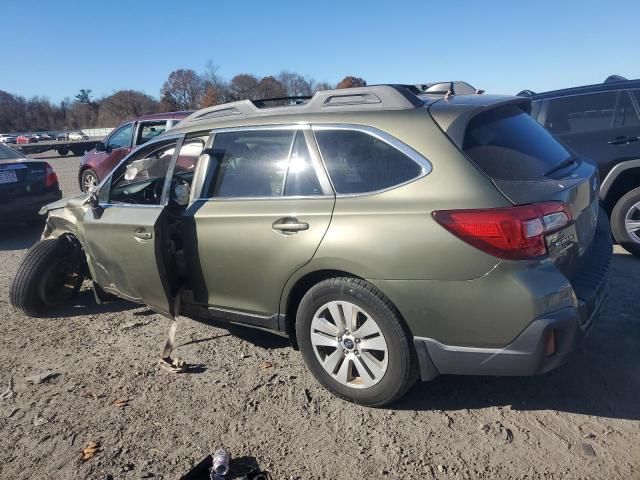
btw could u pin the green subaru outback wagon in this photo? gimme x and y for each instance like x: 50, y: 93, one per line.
x: 391, y: 235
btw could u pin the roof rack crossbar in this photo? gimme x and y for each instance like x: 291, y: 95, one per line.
x: 296, y: 100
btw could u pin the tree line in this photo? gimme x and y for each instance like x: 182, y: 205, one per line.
x: 184, y: 89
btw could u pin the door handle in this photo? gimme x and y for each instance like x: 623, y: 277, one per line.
x: 289, y: 225
x: 621, y: 140
x: 142, y: 235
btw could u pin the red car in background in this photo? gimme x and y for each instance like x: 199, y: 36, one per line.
x: 97, y: 163
x: 24, y: 139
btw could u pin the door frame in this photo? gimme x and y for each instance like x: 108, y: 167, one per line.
x: 103, y: 193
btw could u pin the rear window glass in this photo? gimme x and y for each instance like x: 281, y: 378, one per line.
x: 507, y: 144
x: 7, y: 153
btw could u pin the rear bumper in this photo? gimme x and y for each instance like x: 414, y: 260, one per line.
x: 527, y: 355
x: 25, y: 206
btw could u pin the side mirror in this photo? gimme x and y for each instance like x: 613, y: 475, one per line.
x: 94, y: 203
x: 101, y: 147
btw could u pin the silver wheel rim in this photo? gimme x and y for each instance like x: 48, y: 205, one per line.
x: 632, y: 222
x: 90, y: 181
x: 349, y: 344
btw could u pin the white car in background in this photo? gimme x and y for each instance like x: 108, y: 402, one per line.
x: 77, y: 136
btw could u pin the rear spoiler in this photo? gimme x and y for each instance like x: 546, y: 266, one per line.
x: 453, y: 114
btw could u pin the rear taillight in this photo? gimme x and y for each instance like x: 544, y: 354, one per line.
x: 514, y: 233
x: 51, y: 178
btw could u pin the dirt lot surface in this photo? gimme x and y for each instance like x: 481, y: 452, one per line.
x: 253, y: 396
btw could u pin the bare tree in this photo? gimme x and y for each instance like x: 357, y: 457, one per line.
x: 295, y: 85
x: 182, y: 90
x: 216, y: 89
x: 323, y: 86
x: 124, y: 105
x: 351, y: 82
x: 269, y: 87
x: 244, y: 86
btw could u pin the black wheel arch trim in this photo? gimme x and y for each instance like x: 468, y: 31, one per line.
x: 614, y: 173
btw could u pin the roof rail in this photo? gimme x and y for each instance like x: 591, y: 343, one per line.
x: 526, y: 93
x: 374, y: 97
x: 614, y: 79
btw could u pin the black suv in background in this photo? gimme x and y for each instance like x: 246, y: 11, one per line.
x: 602, y: 122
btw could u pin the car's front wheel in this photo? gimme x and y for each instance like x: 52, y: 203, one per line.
x: 88, y: 180
x: 50, y: 274
x: 625, y: 221
x: 353, y: 341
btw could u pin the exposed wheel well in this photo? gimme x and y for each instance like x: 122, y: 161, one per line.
x: 626, y: 181
x: 298, y: 291
x: 303, y: 285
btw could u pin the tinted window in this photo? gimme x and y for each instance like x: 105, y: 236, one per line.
x: 507, y: 144
x: 249, y: 163
x: 301, y: 176
x: 626, y: 114
x: 581, y: 113
x: 140, y: 180
x: 358, y: 162
x: 121, y: 137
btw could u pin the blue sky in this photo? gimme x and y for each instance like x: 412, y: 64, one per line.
x: 55, y: 48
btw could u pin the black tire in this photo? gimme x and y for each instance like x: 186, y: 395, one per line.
x: 618, y: 216
x: 62, y: 151
x: 89, y: 172
x: 402, y: 369
x: 49, y: 275
x: 78, y: 151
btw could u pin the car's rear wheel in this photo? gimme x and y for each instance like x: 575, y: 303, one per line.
x: 50, y: 274
x: 88, y: 180
x: 353, y: 341
x: 625, y: 221
x: 62, y: 151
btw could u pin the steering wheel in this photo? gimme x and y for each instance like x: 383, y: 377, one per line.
x: 156, y: 192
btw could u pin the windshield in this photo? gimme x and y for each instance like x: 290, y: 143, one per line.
x: 507, y: 144
x: 8, y: 153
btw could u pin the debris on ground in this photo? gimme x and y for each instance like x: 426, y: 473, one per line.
x: 90, y: 451
x: 133, y: 324
x: 121, y: 402
x: 588, y: 450
x: 41, y: 377
x: 39, y: 420
x: 8, y: 393
x: 266, y: 365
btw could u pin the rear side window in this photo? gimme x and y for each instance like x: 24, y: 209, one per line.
x: 581, y: 113
x: 507, y: 144
x: 358, y: 162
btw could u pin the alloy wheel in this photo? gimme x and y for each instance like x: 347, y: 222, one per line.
x: 349, y: 344
x: 632, y: 222
x: 90, y: 181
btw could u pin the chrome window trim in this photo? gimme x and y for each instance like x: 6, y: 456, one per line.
x: 321, y: 173
x: 383, y: 136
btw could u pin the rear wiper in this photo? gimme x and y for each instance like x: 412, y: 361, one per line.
x: 561, y: 165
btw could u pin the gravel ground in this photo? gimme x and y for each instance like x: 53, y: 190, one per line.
x: 253, y: 396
